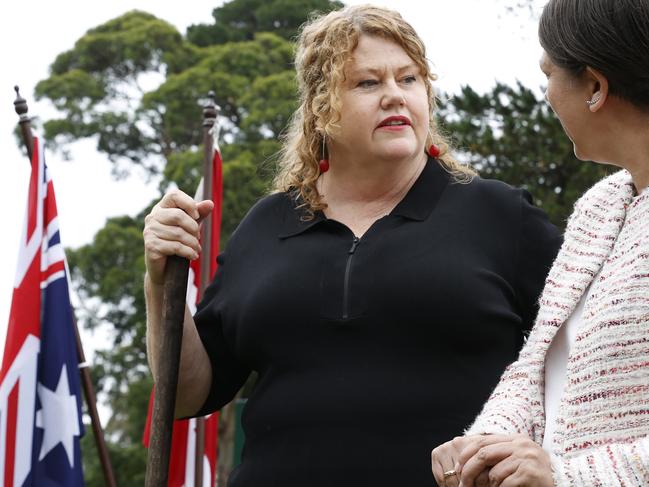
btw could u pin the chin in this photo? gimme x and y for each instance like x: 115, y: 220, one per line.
x: 578, y: 154
x: 582, y: 155
x: 400, y: 153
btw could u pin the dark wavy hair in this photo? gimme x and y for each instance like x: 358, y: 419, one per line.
x: 611, y: 36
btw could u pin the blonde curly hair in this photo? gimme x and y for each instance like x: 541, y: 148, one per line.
x: 324, y: 47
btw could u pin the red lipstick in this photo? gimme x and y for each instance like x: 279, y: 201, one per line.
x: 395, y: 121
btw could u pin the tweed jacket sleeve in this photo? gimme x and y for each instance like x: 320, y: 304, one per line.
x: 602, y: 436
x: 617, y: 464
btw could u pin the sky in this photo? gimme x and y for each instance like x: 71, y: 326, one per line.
x: 473, y: 42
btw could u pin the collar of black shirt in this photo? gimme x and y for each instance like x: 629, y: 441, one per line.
x: 418, y: 203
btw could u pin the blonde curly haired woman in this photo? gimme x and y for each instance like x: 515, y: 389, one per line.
x: 378, y: 292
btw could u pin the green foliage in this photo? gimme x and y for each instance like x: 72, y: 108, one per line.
x: 269, y: 104
x: 101, y: 97
x: 231, y: 70
x: 97, y: 86
x: 512, y: 135
x: 185, y: 170
x: 240, y: 20
x: 111, y: 269
x: 124, y: 47
x: 127, y: 462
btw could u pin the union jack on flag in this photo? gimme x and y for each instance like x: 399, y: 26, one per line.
x: 40, y: 398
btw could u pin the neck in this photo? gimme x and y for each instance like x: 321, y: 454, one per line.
x: 629, y: 144
x: 634, y: 158
x: 376, y: 185
x: 636, y: 161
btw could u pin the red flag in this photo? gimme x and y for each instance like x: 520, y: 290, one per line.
x: 40, y: 395
x: 183, y: 440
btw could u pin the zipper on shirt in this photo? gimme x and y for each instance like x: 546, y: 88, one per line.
x: 348, y: 273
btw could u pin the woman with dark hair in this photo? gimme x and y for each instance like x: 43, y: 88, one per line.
x: 574, y: 409
x: 377, y: 281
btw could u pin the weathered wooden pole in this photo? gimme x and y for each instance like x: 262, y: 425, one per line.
x: 166, y: 379
x: 209, y: 120
x: 20, y: 105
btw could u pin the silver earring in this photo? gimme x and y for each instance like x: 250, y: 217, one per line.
x: 594, y: 100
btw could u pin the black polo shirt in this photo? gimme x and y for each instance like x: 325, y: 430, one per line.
x: 372, y: 351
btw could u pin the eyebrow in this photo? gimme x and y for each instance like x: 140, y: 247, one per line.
x: 376, y: 71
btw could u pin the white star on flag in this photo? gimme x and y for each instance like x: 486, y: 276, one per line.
x: 58, y: 417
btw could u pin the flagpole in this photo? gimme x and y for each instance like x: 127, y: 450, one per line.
x: 209, y: 119
x: 97, y: 430
x: 20, y: 105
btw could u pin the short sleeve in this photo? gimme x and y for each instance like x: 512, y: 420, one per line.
x: 539, y: 244
x: 228, y: 373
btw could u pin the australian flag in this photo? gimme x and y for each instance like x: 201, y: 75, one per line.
x: 40, y: 397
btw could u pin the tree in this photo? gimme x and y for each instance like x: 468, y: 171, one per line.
x: 242, y: 19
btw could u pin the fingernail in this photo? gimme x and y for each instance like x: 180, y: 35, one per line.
x: 457, y: 467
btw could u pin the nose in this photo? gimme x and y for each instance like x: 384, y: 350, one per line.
x: 393, y: 96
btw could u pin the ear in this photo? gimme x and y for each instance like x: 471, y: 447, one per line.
x: 598, y: 86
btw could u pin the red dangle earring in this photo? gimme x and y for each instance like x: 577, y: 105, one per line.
x: 324, y: 162
x: 433, y: 151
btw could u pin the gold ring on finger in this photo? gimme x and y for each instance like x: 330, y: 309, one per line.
x: 449, y: 473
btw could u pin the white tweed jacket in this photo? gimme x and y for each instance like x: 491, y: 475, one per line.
x: 602, y: 436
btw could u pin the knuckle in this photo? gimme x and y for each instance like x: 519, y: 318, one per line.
x: 156, y: 246
x: 176, y: 216
x: 482, y: 453
x: 526, y: 468
x: 178, y: 233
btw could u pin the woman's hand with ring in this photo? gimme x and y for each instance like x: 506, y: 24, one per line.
x: 510, y: 460
x: 444, y: 460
